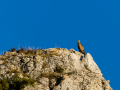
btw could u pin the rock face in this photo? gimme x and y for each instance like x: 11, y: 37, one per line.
x: 54, y: 69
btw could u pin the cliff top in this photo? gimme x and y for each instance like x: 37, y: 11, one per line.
x: 50, y: 69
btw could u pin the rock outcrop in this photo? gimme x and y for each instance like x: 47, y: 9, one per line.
x: 51, y: 69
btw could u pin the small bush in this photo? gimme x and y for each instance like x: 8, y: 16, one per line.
x: 26, y: 51
x: 26, y: 82
x: 59, y: 69
x: 49, y: 75
x: 12, y: 49
x: 4, y: 84
x: 30, y: 52
x: 16, y: 83
x: 38, y: 51
x: 25, y: 75
x: 22, y: 50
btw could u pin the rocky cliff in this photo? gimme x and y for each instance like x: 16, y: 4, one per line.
x: 50, y: 69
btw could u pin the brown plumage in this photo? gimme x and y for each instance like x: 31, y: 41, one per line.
x: 81, y: 48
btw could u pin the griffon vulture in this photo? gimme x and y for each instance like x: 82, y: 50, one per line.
x: 81, y: 48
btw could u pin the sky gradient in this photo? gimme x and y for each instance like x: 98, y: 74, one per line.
x: 60, y: 23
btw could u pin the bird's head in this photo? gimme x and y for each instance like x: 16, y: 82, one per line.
x: 78, y: 40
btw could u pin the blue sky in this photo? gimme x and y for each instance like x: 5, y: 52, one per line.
x: 60, y: 23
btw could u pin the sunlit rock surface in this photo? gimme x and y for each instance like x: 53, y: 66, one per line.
x: 54, y: 69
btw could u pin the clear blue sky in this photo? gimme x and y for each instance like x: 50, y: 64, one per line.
x: 60, y: 23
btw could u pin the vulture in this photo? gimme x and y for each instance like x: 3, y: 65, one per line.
x: 81, y: 48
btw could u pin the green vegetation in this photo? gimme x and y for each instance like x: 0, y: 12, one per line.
x: 30, y: 51
x: 12, y: 49
x: 70, y: 73
x: 47, y: 75
x: 15, y: 83
x: 4, y: 84
x: 25, y: 75
x: 59, y: 69
x: 22, y: 50
x: 50, y: 76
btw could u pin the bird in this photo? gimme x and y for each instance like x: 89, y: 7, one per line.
x: 81, y: 48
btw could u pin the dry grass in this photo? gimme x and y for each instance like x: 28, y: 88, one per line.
x: 70, y: 73
x: 12, y: 71
x: 30, y: 52
x: 44, y: 65
x: 50, y: 75
x: 3, y: 57
x: 50, y: 54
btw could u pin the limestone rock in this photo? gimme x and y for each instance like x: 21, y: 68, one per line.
x: 90, y: 64
x: 54, y: 69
